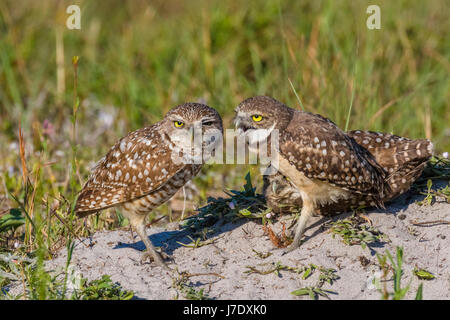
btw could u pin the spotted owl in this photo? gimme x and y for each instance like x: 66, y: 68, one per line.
x: 324, y: 169
x: 148, y: 166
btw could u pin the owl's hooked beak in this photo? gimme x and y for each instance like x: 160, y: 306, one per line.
x: 241, y: 124
x: 236, y: 120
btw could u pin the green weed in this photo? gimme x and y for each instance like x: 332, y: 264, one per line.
x: 240, y: 204
x: 186, y: 288
x: 398, y: 292
x: 354, y: 232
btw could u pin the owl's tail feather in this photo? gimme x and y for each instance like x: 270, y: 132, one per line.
x: 402, y: 158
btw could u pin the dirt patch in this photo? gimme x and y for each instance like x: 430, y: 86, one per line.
x: 223, y: 266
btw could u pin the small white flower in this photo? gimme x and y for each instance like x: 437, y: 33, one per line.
x: 231, y: 205
x: 60, y: 153
x: 107, y: 119
x: 445, y: 155
x: 13, y: 146
x: 16, y: 245
x: 269, y: 215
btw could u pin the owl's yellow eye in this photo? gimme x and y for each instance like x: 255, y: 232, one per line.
x: 257, y: 117
x: 178, y: 124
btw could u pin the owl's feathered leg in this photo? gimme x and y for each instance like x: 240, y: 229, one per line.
x: 305, y: 214
x: 137, y: 222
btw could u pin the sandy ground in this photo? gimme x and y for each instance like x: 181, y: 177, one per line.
x: 117, y: 254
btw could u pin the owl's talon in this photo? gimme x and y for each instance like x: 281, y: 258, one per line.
x: 290, y: 248
x: 165, y: 256
x: 146, y: 256
x: 155, y: 257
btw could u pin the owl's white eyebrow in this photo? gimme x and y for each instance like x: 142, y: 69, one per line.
x: 208, y: 120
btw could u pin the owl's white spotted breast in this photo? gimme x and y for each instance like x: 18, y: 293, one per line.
x: 156, y: 198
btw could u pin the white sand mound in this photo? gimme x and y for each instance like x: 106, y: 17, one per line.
x: 116, y: 254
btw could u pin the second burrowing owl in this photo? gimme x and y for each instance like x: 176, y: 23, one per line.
x: 320, y: 166
x: 148, y: 166
x: 402, y: 158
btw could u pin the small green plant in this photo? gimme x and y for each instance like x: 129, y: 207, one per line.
x: 11, y: 220
x: 197, y: 243
x: 354, y: 232
x: 398, y: 292
x: 39, y: 284
x: 101, y: 289
x: 262, y: 255
x: 193, y: 294
x: 240, y: 204
x: 13, y: 267
x: 186, y: 289
x: 313, y: 292
x: 327, y: 275
x: 419, y: 294
x: 423, y: 274
x: 438, y: 168
x: 432, y: 194
x: 429, y: 196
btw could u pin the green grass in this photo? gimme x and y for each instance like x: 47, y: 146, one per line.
x: 138, y: 59
x: 327, y: 275
x: 398, y: 292
x: 246, y: 203
x: 353, y: 231
x: 38, y: 283
x: 186, y: 288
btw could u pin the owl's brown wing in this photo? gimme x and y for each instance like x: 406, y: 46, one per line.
x: 138, y: 164
x: 402, y: 158
x: 318, y: 148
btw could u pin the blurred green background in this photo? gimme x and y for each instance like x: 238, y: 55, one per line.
x: 143, y: 57
x: 140, y: 58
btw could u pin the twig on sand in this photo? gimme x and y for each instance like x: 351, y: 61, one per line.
x: 429, y: 223
x: 189, y: 275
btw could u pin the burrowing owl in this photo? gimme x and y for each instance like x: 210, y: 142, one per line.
x: 146, y: 168
x: 322, y: 168
x: 403, y: 159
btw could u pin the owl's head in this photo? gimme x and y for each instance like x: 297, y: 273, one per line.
x: 261, y: 112
x: 193, y: 125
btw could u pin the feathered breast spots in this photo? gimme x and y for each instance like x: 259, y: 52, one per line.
x: 137, y: 165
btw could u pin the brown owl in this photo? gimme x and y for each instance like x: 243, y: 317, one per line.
x: 148, y: 166
x: 323, y: 169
